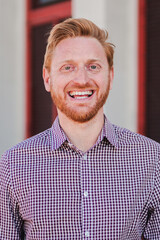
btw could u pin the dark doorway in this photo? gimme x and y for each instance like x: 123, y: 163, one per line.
x: 153, y: 70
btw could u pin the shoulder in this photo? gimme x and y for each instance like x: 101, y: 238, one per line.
x: 26, y: 154
x: 30, y: 145
x: 20, y: 163
x: 142, y: 153
x: 126, y: 137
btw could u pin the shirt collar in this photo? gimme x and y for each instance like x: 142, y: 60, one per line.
x: 58, y: 136
x: 109, y: 133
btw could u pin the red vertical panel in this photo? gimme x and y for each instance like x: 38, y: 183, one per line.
x: 28, y: 70
x: 142, y: 66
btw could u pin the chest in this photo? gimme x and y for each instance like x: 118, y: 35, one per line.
x: 100, y: 195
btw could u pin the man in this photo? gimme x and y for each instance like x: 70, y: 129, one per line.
x: 84, y: 178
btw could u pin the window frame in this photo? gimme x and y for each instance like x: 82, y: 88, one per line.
x: 34, y: 17
x: 36, y: 3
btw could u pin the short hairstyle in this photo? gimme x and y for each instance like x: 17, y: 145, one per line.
x: 78, y: 27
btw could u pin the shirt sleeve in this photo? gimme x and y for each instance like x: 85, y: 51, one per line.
x: 10, y: 221
x: 152, y: 231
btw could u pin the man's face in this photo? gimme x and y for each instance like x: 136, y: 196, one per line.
x: 80, y: 78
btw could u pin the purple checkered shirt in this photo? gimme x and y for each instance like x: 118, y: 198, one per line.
x: 52, y: 191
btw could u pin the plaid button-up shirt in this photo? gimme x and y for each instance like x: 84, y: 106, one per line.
x: 49, y: 190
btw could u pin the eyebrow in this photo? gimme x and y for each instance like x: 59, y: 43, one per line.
x: 88, y: 61
x: 94, y: 60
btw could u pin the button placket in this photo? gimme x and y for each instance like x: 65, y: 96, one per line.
x: 86, y: 194
x: 86, y: 200
x: 87, y: 234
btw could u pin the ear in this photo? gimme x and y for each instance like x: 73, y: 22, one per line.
x: 111, y: 76
x: 46, y: 78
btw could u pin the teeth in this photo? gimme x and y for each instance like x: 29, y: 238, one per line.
x: 82, y: 97
x: 75, y: 93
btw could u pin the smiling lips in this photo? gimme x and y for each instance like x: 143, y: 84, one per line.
x: 81, y: 94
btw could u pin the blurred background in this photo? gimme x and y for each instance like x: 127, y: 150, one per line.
x: 134, y: 28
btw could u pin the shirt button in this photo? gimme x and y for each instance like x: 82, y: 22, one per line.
x: 85, y: 193
x: 86, y: 234
x: 85, y: 157
x: 70, y: 145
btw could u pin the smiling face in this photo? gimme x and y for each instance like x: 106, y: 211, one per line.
x: 80, y: 78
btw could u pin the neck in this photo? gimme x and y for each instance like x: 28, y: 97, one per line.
x: 82, y: 135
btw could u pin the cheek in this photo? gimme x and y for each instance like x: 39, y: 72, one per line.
x: 60, y: 80
x: 103, y: 81
x: 58, y: 87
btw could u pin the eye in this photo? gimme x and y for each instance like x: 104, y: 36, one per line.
x: 67, y: 68
x: 94, y: 67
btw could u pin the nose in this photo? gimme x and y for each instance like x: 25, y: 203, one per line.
x: 81, y: 76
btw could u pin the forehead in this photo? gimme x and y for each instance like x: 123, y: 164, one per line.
x: 86, y: 47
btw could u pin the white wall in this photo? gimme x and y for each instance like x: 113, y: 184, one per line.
x: 12, y: 72
x: 119, y: 17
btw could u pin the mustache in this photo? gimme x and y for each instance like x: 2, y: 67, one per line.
x: 80, y: 86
